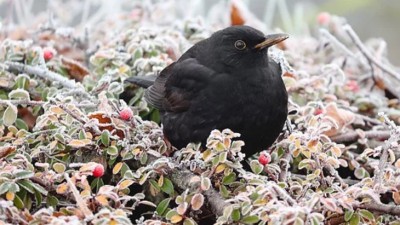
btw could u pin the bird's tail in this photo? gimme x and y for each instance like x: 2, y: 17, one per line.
x: 142, y: 81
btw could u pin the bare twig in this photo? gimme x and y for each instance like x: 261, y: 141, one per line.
x: 79, y: 201
x: 336, y: 42
x: 181, y: 178
x: 353, y: 136
x: 21, y: 102
x: 373, y: 60
x: 284, y: 165
x: 379, y: 207
x: 43, y: 73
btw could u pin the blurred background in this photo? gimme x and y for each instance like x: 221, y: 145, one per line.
x: 369, y: 18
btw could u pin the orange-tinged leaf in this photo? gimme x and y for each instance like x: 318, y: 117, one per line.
x: 10, y: 196
x: 75, y: 69
x: 113, y: 222
x: 396, y: 197
x: 236, y: 17
x: 306, y: 153
x: 62, y: 188
x: 57, y: 110
x: 220, y: 168
x: 296, y: 152
x: 397, y: 163
x: 86, y: 193
x: 136, y: 151
x: 176, y: 218
x: 79, y: 143
x: 102, y: 199
x: 161, y: 181
x: 126, y: 183
x: 117, y: 167
x: 336, y: 151
x: 6, y: 150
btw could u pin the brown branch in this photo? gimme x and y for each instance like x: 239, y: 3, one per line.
x: 21, y: 102
x: 366, y: 53
x: 353, y: 136
x: 379, y: 207
x: 181, y: 178
x: 43, y: 73
x: 284, y: 165
x: 354, y: 37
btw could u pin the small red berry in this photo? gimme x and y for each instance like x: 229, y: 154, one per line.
x: 264, y: 158
x: 126, y: 114
x: 318, y: 111
x: 48, y: 54
x: 352, y: 85
x: 98, y: 171
x: 323, y: 18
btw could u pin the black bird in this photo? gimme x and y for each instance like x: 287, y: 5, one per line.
x: 224, y: 81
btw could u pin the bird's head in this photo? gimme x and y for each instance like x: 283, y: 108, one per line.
x: 241, y: 47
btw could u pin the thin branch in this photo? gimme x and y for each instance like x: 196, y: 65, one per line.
x: 79, y: 201
x: 21, y: 102
x: 43, y: 73
x: 353, y: 136
x: 379, y: 207
x: 367, y: 54
x: 336, y: 42
x: 181, y: 178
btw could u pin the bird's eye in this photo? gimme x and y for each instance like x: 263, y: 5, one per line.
x: 240, y: 45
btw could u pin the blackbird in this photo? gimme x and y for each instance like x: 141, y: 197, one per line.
x: 224, y: 81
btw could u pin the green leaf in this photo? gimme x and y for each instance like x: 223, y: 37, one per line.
x: 40, y: 189
x: 224, y: 191
x: 170, y: 214
x: 51, y: 201
x: 355, y: 219
x: 167, y: 187
x: 27, y: 185
x: 163, y: 206
x: 23, y: 174
x: 347, y: 215
x: 112, y: 150
x: 105, y: 138
x: 22, y: 81
x: 155, y: 184
x: 82, y: 134
x: 4, y: 187
x: 19, y: 94
x: 20, y: 124
x: 189, y: 221
x: 235, y: 215
x: 96, y: 184
x: 14, y: 188
x: 366, y: 214
x: 38, y: 198
x: 229, y: 179
x: 18, y: 202
x: 256, y: 167
x: 10, y: 115
x: 250, y: 219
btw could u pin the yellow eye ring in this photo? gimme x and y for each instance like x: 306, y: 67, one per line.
x: 240, y: 45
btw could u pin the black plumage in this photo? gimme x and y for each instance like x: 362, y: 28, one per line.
x: 225, y: 81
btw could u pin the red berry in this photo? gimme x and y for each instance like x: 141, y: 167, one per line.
x: 352, y: 85
x: 47, y: 54
x: 126, y: 114
x: 323, y: 18
x: 98, y: 171
x: 318, y: 111
x: 264, y: 158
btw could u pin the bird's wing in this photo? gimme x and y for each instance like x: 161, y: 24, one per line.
x: 177, y: 84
